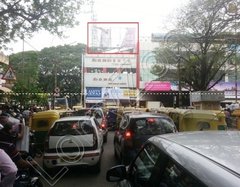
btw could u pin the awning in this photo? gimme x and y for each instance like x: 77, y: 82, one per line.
x: 229, y: 101
x: 93, y: 101
x: 5, y: 89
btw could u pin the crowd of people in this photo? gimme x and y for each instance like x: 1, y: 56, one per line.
x: 11, y: 133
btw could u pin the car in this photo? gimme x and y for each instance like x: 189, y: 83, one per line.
x: 74, y: 141
x: 98, y: 113
x: 135, y: 128
x: 112, y: 118
x: 198, y: 159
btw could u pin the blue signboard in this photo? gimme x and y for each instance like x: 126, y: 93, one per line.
x: 94, y: 92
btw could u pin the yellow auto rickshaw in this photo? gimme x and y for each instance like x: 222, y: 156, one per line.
x: 194, y: 120
x: 41, y: 122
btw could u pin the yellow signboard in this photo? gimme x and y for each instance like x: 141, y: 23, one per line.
x: 130, y: 93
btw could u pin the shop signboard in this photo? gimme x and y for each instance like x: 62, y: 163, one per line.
x: 94, y: 93
x: 124, y: 80
x: 158, y: 86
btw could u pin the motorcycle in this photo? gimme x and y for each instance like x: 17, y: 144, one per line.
x: 27, y: 178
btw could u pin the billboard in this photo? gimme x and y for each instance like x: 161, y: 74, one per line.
x: 113, y: 38
x: 118, y: 93
x: 158, y: 86
x: 93, y: 93
x: 125, y: 80
x: 114, y: 61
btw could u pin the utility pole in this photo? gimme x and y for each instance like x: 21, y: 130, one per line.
x: 82, y: 82
x: 55, y: 83
x: 179, y: 78
x: 233, y: 9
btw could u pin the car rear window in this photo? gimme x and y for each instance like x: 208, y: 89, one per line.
x: 89, y: 112
x: 81, y: 127
x: 82, y: 112
x: 152, y: 126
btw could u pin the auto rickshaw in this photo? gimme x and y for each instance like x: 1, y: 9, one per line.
x: 195, y: 120
x: 41, y: 122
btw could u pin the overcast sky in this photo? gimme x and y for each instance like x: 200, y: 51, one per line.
x: 153, y: 16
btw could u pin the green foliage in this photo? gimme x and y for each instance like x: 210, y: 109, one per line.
x: 165, y: 61
x: 202, y: 42
x: 61, y: 67
x: 25, y: 66
x: 18, y: 17
x: 38, y: 73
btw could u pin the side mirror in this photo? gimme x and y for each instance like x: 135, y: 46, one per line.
x: 116, y: 173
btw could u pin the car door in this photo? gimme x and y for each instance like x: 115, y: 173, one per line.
x: 176, y: 175
x: 119, y: 135
x: 100, y: 132
x: 153, y: 168
x: 142, y: 170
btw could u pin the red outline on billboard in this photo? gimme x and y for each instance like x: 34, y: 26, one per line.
x: 119, y: 53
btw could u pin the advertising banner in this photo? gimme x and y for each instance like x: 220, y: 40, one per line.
x: 158, y: 86
x: 125, y: 80
x: 116, y: 61
x: 94, y: 93
x: 117, y: 93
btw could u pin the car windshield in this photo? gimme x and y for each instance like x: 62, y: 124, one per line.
x: 81, y: 127
x: 152, y: 126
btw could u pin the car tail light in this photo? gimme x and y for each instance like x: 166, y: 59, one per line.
x: 46, y: 144
x: 128, y: 134
x: 103, y: 126
x: 95, y: 140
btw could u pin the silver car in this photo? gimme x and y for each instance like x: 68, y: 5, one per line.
x: 202, y: 158
x: 73, y: 141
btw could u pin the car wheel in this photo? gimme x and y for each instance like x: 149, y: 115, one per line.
x: 105, y: 139
x: 96, y: 168
x: 38, y: 183
x: 48, y: 170
x: 115, y: 154
x: 124, y: 160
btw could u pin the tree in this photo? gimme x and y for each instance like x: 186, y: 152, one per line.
x: 204, y: 42
x: 61, y: 67
x: 38, y: 73
x: 26, y: 87
x: 23, y: 17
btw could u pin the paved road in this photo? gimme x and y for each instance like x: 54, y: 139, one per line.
x: 80, y: 177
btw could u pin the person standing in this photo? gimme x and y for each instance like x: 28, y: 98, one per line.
x: 227, y: 113
x: 8, y: 170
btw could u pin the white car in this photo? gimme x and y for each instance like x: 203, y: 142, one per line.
x: 72, y: 141
x: 99, y: 115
